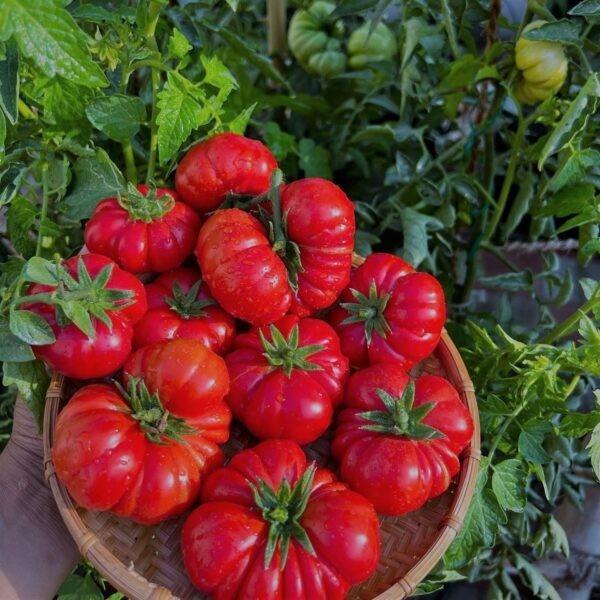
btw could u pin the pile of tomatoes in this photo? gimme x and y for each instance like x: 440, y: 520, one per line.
x: 270, y: 325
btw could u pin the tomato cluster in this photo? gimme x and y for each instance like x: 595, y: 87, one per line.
x: 267, y: 332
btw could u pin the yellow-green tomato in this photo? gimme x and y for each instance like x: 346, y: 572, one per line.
x: 543, y: 67
x: 311, y: 41
x: 364, y: 48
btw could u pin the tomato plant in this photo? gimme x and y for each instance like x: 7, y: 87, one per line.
x: 143, y: 453
x: 269, y: 524
x: 180, y: 306
x: 287, y: 379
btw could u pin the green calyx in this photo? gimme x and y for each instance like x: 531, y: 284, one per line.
x: 282, y: 509
x: 400, y: 418
x: 188, y: 306
x: 146, y: 208
x: 286, y: 354
x: 147, y: 409
x: 276, y: 224
x: 76, y: 300
x: 370, y: 310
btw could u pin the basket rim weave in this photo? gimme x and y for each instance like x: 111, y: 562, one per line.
x: 134, y: 585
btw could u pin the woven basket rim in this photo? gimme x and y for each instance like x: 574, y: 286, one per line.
x: 136, y: 586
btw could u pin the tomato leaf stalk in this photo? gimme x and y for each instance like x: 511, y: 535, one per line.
x: 146, y: 208
x: 286, y: 354
x: 148, y: 410
x: 282, y: 509
x: 188, y: 306
x: 75, y: 300
x: 276, y: 224
x: 400, y: 418
x: 370, y: 310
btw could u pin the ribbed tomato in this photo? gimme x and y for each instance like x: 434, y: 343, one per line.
x: 398, y: 442
x: 301, y: 265
x: 271, y: 528
x: 143, y: 231
x: 181, y: 306
x: 389, y: 312
x: 287, y: 379
x: 227, y: 163
x: 143, y: 455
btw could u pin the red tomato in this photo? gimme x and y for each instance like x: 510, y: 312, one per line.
x: 303, y: 267
x: 287, y: 379
x: 180, y: 306
x: 143, y: 235
x: 389, y: 312
x: 75, y: 353
x: 241, y: 270
x: 225, y: 163
x: 145, y: 456
x: 398, y: 444
x: 271, y: 528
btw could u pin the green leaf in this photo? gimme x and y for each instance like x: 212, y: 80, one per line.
x: 40, y: 270
x: 594, y: 450
x: 574, y: 120
x: 64, y: 105
x: 216, y: 73
x: 574, y: 169
x: 531, y: 439
x: 353, y: 7
x: 568, y: 200
x: 415, y: 227
x: 462, y: 73
x: 119, y: 117
x: 590, y: 9
x: 591, y: 247
x: 279, y: 142
x: 511, y: 282
x: 576, y: 424
x: 315, y: 160
x: 31, y: 328
x: 564, y: 31
x: 481, y: 524
x: 95, y: 178
x: 76, y: 587
x: 21, y: 217
x: 9, y: 82
x: 31, y: 380
x: 179, y: 114
x: 2, y: 133
x: 509, y: 482
x: 521, y: 204
x: 48, y: 35
x: 11, y: 347
x: 239, y: 123
x: 178, y: 44
x: 531, y: 575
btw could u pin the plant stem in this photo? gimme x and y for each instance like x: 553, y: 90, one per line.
x: 449, y: 25
x: 44, y: 213
x: 154, y: 13
x: 565, y: 327
x: 130, y: 167
x: 508, y: 179
x: 509, y: 419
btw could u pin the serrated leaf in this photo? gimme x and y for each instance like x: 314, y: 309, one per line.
x: 49, y: 36
x: 415, y: 227
x: 178, y: 44
x: 30, y: 327
x: 239, y: 123
x: 76, y: 587
x: 64, y: 105
x: 531, y: 439
x: 119, y: 117
x: 21, y: 217
x: 574, y: 169
x: 590, y: 9
x: 509, y: 481
x: 279, y: 142
x: 11, y: 347
x: 574, y: 120
x: 594, y: 449
x: 95, y: 178
x: 216, y: 73
x: 40, y: 270
x: 179, y: 114
x: 511, y: 282
x: 315, y: 160
x: 564, y: 31
x: 569, y: 200
x: 9, y: 82
x: 31, y: 381
x: 521, y: 204
x: 531, y: 575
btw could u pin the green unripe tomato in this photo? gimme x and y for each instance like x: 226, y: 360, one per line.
x: 543, y: 67
x: 310, y: 40
x: 364, y: 48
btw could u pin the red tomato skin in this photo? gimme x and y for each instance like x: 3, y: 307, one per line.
x: 140, y: 247
x: 215, y: 330
x: 396, y: 473
x: 320, y: 219
x: 416, y: 313
x: 241, y: 270
x: 271, y: 404
x: 106, y: 461
x: 225, y: 163
x: 74, y: 354
x: 223, y: 541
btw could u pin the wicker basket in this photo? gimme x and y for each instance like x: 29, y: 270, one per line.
x: 146, y: 562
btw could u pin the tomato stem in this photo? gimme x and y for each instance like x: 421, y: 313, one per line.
x: 44, y: 213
